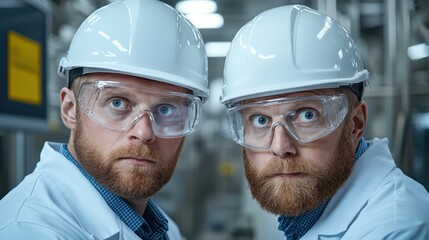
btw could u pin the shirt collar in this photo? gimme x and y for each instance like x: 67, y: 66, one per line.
x: 152, y: 225
x: 296, y: 227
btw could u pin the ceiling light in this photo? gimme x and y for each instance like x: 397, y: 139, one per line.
x: 212, y: 20
x: 217, y: 49
x: 418, y: 51
x: 196, y: 6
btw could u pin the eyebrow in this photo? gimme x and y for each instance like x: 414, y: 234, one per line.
x: 119, y: 92
x: 166, y: 98
x: 291, y: 106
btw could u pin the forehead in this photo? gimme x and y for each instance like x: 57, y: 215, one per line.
x: 135, y: 82
x: 317, y: 92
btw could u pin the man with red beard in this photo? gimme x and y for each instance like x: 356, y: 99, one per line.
x: 293, y: 85
x: 137, y: 77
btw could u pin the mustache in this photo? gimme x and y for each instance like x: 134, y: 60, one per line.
x: 278, y: 165
x: 139, y: 151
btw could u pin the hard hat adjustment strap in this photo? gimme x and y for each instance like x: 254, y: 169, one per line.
x: 357, y: 88
x: 73, y: 74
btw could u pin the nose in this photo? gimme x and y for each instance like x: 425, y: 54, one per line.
x: 282, y: 144
x: 142, y: 130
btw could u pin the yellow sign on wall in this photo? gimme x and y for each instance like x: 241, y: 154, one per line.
x: 24, y: 69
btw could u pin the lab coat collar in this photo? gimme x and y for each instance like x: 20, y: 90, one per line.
x: 89, y: 207
x: 339, y: 214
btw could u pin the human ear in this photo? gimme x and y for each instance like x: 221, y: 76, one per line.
x: 359, y: 120
x: 68, y: 108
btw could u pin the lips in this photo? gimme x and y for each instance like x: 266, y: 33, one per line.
x: 137, y: 159
x: 289, y: 175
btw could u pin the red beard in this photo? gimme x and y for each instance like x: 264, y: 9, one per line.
x: 295, y: 196
x: 129, y: 182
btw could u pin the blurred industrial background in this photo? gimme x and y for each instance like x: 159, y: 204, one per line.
x: 208, y: 195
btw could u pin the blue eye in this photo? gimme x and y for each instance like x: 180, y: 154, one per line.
x: 259, y: 120
x: 118, y: 103
x: 307, y: 115
x: 165, y: 110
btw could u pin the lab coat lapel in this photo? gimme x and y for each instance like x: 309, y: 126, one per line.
x: 89, y: 207
x: 352, y: 197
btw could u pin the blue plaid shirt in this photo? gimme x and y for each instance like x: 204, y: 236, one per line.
x: 295, y: 227
x: 152, y: 225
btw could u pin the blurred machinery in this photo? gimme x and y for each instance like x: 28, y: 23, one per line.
x: 208, y: 195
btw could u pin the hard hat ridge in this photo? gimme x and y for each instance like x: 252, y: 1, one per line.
x: 288, y: 49
x: 146, y: 38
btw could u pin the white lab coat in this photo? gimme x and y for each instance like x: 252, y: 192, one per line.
x: 57, y: 202
x: 377, y: 202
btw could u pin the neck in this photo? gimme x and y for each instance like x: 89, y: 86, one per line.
x: 139, y: 205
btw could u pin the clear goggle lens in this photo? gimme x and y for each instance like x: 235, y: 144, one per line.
x: 305, y: 119
x: 119, y: 106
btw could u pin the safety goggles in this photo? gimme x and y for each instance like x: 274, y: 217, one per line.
x: 119, y: 106
x: 305, y: 119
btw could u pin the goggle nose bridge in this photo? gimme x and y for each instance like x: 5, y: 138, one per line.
x: 139, y: 117
x: 285, y: 126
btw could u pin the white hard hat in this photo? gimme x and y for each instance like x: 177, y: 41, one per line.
x: 143, y: 38
x: 289, y: 49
